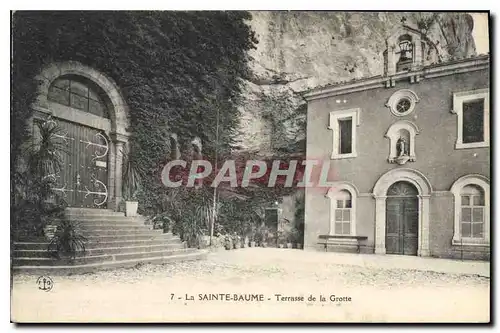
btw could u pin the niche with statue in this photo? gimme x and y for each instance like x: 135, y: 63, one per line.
x: 401, y: 137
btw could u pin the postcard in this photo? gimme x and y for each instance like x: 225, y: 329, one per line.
x: 250, y: 167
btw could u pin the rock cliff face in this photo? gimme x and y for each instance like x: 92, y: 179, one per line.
x: 301, y: 50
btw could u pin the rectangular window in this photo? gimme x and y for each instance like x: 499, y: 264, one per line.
x: 345, y: 130
x: 343, y: 221
x: 473, y: 121
x: 472, y: 110
x: 343, y: 123
x: 472, y: 216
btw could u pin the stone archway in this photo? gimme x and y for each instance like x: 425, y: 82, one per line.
x: 422, y: 184
x: 115, y: 128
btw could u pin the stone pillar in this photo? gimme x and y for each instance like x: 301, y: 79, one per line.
x: 391, y: 60
x: 380, y: 225
x: 423, y: 250
x: 120, y: 141
x: 111, y: 176
x: 417, y: 54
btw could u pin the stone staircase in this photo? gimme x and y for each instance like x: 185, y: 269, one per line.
x: 113, y: 241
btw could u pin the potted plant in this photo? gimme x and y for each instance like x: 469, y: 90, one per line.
x: 289, y: 242
x: 244, y: 241
x: 252, y: 240
x: 236, y: 241
x: 132, y: 176
x: 228, y: 243
x: 281, y: 239
x: 67, y: 242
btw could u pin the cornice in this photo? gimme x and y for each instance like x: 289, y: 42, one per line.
x: 432, y: 71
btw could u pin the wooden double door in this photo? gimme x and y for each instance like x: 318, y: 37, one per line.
x: 402, y: 219
x: 83, y: 178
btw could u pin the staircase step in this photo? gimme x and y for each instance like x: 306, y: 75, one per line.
x: 88, y: 268
x: 141, y: 236
x: 92, y: 259
x: 94, y: 244
x: 112, y: 226
x: 122, y: 243
x: 120, y: 218
x: 113, y: 240
x: 119, y: 232
x: 92, y: 212
x: 101, y: 251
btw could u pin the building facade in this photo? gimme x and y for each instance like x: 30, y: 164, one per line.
x: 410, y: 155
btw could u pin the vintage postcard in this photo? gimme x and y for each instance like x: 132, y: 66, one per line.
x: 250, y: 166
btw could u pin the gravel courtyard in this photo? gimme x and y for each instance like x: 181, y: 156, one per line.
x: 269, y: 285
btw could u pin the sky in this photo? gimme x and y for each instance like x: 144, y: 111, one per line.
x: 480, y: 32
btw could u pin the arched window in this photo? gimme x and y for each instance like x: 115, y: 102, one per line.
x: 343, y: 203
x: 472, y: 222
x: 79, y: 93
x: 342, y: 209
x: 405, y: 51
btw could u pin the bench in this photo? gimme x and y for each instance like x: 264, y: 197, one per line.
x: 331, y: 240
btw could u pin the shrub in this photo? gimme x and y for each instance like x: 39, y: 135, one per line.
x: 67, y: 241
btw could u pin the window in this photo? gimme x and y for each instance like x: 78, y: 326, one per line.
x: 78, y: 93
x: 343, y: 123
x: 472, y: 212
x: 402, y: 102
x: 473, y: 121
x: 342, y: 208
x: 345, y: 128
x: 472, y: 109
x: 405, y: 52
x: 343, y: 213
x: 472, y: 224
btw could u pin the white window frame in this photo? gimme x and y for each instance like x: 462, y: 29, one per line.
x: 456, y: 189
x: 333, y: 193
x: 335, y: 116
x: 465, y: 96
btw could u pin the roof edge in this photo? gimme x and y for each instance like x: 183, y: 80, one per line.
x: 379, y: 81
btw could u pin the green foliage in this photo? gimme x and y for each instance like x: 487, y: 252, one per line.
x: 174, y: 69
x: 67, y: 240
x: 34, y: 204
x: 133, y: 173
x: 298, y: 230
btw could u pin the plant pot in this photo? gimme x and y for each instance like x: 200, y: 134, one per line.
x: 289, y: 245
x: 264, y: 244
x: 281, y: 246
x: 131, y: 208
x: 299, y: 245
x: 252, y: 244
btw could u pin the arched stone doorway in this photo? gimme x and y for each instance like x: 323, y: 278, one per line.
x: 93, y: 117
x: 381, y: 192
x: 401, y: 232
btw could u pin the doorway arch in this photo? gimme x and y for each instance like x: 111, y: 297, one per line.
x: 424, y: 189
x: 112, y: 129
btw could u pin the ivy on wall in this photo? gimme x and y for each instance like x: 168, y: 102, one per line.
x: 174, y: 69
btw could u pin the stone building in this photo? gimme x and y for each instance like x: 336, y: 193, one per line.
x: 410, y: 153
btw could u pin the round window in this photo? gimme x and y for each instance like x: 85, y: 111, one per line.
x: 402, y: 102
x: 403, y: 105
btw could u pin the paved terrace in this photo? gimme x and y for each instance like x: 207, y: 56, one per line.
x: 379, y: 289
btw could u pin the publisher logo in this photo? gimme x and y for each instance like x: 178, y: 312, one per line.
x: 45, y: 283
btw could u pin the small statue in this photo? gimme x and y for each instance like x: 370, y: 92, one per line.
x: 401, y: 147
